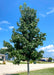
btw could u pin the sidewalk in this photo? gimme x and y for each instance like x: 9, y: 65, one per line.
x: 10, y: 68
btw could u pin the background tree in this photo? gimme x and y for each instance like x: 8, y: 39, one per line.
x: 3, y: 51
x: 50, y: 59
x: 26, y: 38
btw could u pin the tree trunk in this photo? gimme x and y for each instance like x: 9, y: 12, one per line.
x: 28, y: 68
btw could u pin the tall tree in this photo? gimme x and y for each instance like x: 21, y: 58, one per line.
x: 26, y: 38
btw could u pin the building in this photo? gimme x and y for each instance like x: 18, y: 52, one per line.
x: 44, y: 59
x: 2, y: 56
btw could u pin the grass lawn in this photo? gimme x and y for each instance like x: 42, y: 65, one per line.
x: 43, y: 62
x: 49, y: 71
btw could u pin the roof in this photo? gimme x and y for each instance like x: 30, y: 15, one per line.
x: 44, y: 58
x: 2, y: 54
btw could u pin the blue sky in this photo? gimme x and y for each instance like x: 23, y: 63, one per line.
x: 10, y: 14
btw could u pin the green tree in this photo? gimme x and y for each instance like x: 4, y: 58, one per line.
x: 3, y: 51
x: 26, y: 38
x: 50, y: 59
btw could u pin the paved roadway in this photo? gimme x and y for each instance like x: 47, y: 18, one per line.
x: 10, y: 68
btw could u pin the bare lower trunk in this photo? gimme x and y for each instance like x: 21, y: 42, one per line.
x: 28, y: 68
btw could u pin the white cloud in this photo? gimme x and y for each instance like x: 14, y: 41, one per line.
x: 51, y: 50
x: 11, y: 27
x: 4, y: 48
x: 47, y: 47
x: 3, y: 29
x: 0, y: 28
x: 4, y: 22
x: 48, y: 12
x: 43, y: 15
x: 51, y: 11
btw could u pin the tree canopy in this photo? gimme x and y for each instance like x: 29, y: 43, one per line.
x: 3, y: 51
x: 50, y: 59
x: 27, y: 37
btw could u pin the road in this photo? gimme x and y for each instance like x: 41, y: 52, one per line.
x: 10, y: 68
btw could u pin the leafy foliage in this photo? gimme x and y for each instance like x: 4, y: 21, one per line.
x: 50, y: 59
x: 3, y: 51
x: 27, y: 37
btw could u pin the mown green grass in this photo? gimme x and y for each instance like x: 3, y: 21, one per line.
x: 49, y: 71
x: 43, y: 62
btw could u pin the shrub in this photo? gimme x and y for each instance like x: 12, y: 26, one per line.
x: 4, y: 62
